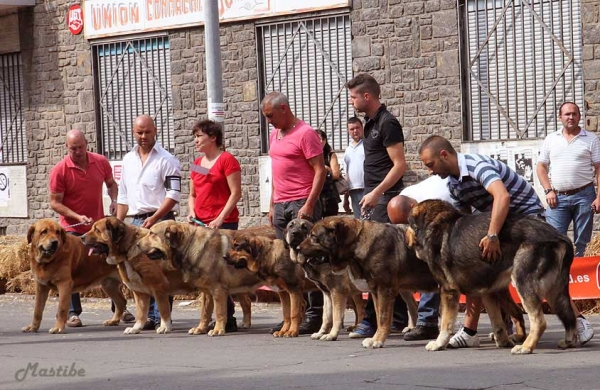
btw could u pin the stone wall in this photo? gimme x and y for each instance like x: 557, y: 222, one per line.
x: 590, y: 16
x: 411, y: 48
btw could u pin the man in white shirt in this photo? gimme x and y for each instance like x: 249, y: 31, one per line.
x: 150, y: 187
x: 568, y: 163
x: 434, y: 187
x: 354, y: 157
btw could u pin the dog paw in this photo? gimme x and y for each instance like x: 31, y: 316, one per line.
x: 111, y: 322
x: 163, y: 330
x: 197, y: 330
x: 328, y: 337
x: 316, y: 336
x: 132, y: 330
x: 520, y: 350
x: 508, y: 343
x: 290, y: 333
x: 30, y: 329
x: 371, y: 343
x: 434, y: 346
x: 564, y: 344
x: 278, y: 334
x: 216, y: 332
x: 407, y: 329
x: 56, y: 330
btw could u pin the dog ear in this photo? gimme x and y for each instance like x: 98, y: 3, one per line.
x: 256, y: 247
x: 117, y: 230
x: 63, y: 235
x: 173, y: 234
x: 30, y: 233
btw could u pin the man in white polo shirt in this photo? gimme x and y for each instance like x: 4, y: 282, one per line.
x: 354, y: 157
x: 571, y: 157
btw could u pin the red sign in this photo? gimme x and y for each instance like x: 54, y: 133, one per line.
x: 75, y: 19
x: 117, y: 169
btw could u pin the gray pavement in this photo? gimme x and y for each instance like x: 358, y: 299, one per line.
x: 253, y: 359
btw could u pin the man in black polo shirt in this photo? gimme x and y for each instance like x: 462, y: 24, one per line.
x: 384, y: 166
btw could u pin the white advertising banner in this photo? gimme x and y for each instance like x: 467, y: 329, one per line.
x: 104, y: 18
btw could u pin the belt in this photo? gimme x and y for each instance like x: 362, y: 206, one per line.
x: 573, y: 191
x: 168, y: 215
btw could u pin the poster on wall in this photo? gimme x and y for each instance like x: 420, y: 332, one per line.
x: 13, y: 191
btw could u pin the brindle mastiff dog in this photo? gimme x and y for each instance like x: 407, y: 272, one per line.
x: 375, y: 252
x: 146, y: 277
x: 59, y: 261
x: 269, y: 259
x: 197, y: 253
x: 535, y: 256
x: 336, y: 288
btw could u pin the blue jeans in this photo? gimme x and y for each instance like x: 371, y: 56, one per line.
x: 576, y: 208
x: 429, y: 309
x: 153, y: 313
x: 75, y: 308
x: 355, y: 198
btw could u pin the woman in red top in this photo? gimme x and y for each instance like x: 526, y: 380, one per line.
x: 215, y: 188
x: 216, y: 178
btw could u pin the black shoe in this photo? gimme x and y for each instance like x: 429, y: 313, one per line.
x: 310, y: 327
x: 422, y: 333
x: 149, y: 325
x: 276, y: 328
x: 230, y: 325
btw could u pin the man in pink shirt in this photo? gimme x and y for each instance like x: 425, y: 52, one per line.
x: 76, y: 195
x: 298, y: 174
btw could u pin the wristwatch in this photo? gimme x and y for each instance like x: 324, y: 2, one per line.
x: 492, y: 237
x: 548, y: 190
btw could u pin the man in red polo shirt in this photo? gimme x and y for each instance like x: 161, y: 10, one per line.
x: 76, y: 195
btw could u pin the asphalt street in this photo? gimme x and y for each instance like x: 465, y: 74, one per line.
x: 98, y: 357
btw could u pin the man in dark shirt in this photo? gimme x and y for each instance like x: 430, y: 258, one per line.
x: 384, y: 166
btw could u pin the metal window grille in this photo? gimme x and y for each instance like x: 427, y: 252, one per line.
x: 310, y: 61
x: 13, y: 140
x: 133, y: 77
x: 521, y: 60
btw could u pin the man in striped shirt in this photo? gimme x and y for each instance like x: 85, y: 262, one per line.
x: 479, y: 182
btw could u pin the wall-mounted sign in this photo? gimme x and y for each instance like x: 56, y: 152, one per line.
x: 75, y: 19
x: 118, y: 17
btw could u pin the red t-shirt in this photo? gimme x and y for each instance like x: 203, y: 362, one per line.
x: 212, y: 190
x: 82, y: 190
x: 292, y: 173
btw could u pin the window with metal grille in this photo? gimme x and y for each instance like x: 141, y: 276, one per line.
x: 13, y: 140
x: 309, y: 61
x: 132, y: 77
x: 521, y: 59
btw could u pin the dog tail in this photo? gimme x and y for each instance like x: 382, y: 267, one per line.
x: 562, y: 300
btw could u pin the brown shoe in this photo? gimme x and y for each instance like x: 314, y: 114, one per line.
x: 128, y: 317
x: 74, y: 322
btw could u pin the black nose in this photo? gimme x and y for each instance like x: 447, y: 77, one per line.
x: 54, y: 245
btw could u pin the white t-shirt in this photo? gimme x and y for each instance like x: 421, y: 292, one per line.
x: 571, y: 163
x: 434, y: 187
x: 354, y: 157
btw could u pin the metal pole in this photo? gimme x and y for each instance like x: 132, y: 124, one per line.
x: 214, y: 72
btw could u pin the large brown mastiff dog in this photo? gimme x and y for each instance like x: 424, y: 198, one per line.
x: 198, y: 253
x: 59, y: 261
x: 269, y: 259
x: 375, y: 252
x: 535, y: 256
x: 336, y: 288
x: 143, y: 276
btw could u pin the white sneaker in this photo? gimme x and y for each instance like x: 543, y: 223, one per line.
x: 585, y: 332
x: 463, y: 340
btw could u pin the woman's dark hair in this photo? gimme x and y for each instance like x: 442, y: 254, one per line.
x: 210, y: 128
x: 326, y: 147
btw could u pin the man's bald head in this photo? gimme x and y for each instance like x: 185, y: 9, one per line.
x: 77, y: 147
x: 144, y: 132
x: 75, y: 135
x: 399, y: 208
x: 144, y: 120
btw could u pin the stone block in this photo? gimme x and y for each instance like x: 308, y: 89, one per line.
x: 447, y: 63
x: 366, y: 64
x: 591, y: 34
x: 86, y: 101
x: 370, y: 14
x: 413, y: 8
x: 591, y: 69
x: 361, y: 47
x: 445, y: 24
x: 378, y: 49
x: 249, y: 91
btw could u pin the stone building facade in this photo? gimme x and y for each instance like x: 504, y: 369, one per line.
x: 410, y: 46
